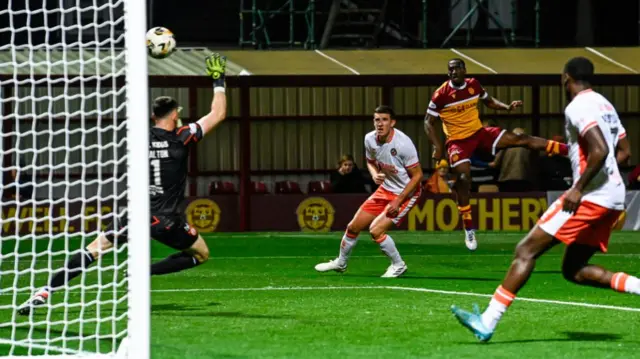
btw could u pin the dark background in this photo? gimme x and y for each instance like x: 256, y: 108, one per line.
x: 216, y: 23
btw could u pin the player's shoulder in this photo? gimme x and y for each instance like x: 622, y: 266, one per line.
x: 442, y: 89
x: 584, y: 102
x: 402, y: 137
x: 370, y: 137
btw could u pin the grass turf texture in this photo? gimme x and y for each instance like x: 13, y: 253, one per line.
x: 259, y: 297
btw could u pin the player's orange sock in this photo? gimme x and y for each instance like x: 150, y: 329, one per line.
x: 556, y: 148
x: 349, y: 241
x: 622, y: 282
x: 500, y: 301
x: 467, y: 220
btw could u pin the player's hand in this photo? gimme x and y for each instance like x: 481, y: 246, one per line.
x: 216, y: 67
x: 514, y: 105
x: 393, y: 208
x: 572, y: 200
x: 437, y: 153
x: 379, y: 178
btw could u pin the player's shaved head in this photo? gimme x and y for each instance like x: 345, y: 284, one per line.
x: 579, y: 69
x: 457, y: 63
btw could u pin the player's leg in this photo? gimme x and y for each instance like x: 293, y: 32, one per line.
x: 360, y: 221
x: 536, y: 243
x: 176, y: 233
x: 378, y: 231
x: 509, y: 139
x: 462, y: 189
x: 72, y: 268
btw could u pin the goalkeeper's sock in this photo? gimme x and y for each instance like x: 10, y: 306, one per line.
x: 174, y: 263
x: 74, y: 266
x: 499, y: 304
x: 349, y: 241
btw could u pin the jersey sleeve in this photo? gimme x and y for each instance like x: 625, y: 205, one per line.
x: 475, y: 84
x: 581, y: 119
x: 436, y: 104
x: 409, y: 156
x: 190, y: 134
x: 622, y: 132
x: 369, y: 153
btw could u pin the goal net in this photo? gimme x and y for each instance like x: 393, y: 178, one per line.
x: 73, y: 95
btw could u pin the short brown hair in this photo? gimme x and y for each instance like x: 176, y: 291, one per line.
x: 345, y: 158
x: 386, y: 109
x: 163, y: 105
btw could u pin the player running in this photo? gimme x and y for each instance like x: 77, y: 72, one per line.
x: 583, y: 216
x: 393, y: 162
x: 456, y: 103
x: 168, y: 158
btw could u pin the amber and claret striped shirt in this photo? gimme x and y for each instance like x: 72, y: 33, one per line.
x: 458, y: 108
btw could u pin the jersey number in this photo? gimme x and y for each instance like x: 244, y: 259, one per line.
x: 156, y: 172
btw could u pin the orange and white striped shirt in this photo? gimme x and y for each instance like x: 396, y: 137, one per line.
x: 586, y: 111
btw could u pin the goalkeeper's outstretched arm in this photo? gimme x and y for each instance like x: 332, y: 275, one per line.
x: 216, y: 66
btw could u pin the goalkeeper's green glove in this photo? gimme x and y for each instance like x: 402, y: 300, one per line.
x: 216, y: 66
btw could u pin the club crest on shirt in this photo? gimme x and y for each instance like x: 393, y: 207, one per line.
x: 393, y: 152
x: 471, y: 91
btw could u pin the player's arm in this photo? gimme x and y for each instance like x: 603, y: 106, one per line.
x: 415, y: 173
x: 623, y: 151
x: 494, y: 103
x: 377, y: 176
x: 598, y: 151
x: 433, y: 112
x: 216, y: 66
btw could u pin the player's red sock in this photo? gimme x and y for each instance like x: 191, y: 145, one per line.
x: 500, y: 301
x: 622, y: 282
x: 467, y: 220
x: 556, y: 148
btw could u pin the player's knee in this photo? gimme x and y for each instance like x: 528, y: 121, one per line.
x: 377, y: 234
x: 202, y: 255
x: 463, y: 181
x: 353, y: 228
x: 524, y: 251
x: 571, y: 272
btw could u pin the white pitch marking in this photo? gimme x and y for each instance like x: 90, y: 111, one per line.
x: 336, y: 61
x: 592, y: 50
x: 473, y: 60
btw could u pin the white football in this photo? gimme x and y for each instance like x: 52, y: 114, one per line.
x: 160, y: 42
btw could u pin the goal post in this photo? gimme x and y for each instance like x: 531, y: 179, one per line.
x: 74, y: 127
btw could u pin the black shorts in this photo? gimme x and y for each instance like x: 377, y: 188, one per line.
x: 172, y: 231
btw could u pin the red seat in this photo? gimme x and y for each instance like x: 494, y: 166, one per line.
x: 259, y: 188
x: 319, y: 187
x: 287, y: 187
x: 220, y: 187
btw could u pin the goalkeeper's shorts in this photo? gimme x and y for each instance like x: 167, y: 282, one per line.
x: 172, y: 231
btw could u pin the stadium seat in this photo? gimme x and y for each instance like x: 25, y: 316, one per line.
x: 258, y: 188
x: 319, y: 187
x: 220, y: 187
x: 287, y: 187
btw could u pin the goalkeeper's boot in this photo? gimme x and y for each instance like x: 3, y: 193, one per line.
x: 331, y: 265
x: 38, y: 300
x: 395, y: 270
x: 470, y: 239
x: 473, y: 322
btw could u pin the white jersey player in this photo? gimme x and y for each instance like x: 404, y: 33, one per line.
x: 583, y: 217
x: 393, y: 162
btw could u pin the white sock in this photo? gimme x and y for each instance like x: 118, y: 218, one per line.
x: 497, y: 306
x: 346, y: 246
x: 492, y: 314
x: 632, y: 285
x: 388, y: 247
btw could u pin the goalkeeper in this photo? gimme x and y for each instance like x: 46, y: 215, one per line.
x: 168, y: 158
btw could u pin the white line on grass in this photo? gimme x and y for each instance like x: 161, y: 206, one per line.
x: 474, y: 61
x: 409, y: 289
x: 592, y: 50
x: 336, y: 61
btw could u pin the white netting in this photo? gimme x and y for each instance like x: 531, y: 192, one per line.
x: 63, y: 131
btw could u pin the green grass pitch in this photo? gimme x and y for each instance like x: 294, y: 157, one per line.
x: 259, y: 297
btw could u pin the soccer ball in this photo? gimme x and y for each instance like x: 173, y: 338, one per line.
x: 160, y: 42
